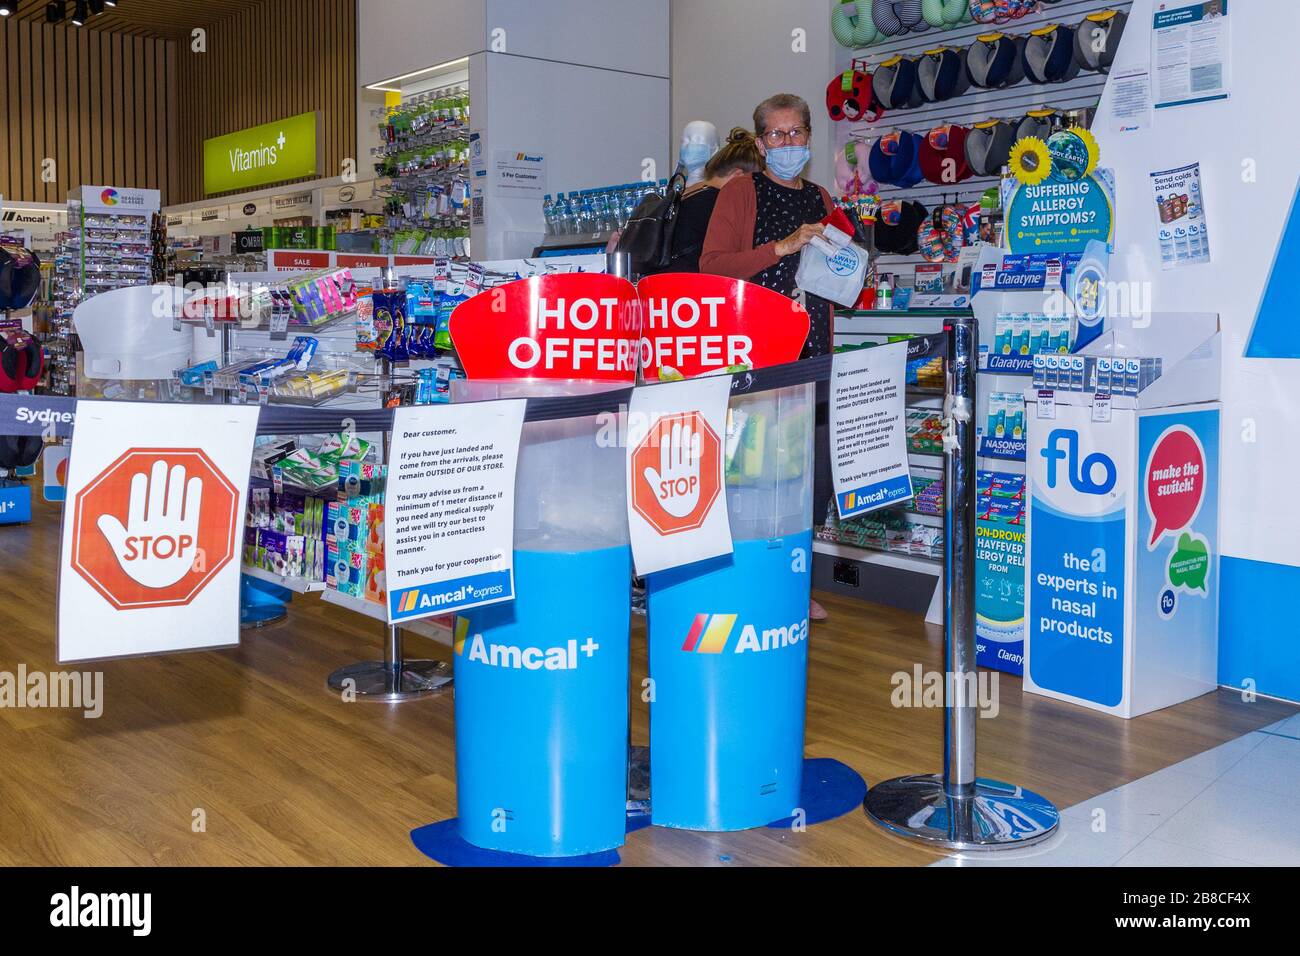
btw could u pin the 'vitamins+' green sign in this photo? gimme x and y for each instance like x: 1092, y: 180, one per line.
x: 261, y: 155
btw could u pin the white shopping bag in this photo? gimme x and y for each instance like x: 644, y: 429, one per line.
x: 837, y: 277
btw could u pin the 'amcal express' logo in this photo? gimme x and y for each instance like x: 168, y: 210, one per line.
x: 560, y: 657
x: 711, y: 634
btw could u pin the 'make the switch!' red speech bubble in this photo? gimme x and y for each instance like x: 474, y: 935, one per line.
x: 1175, y: 482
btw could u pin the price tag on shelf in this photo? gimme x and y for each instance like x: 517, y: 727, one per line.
x: 1101, y: 411
x: 279, y: 324
x: 263, y: 393
x: 209, y: 382
x: 1046, y: 404
x: 1053, y: 278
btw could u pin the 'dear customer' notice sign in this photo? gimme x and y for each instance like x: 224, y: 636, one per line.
x: 152, y: 527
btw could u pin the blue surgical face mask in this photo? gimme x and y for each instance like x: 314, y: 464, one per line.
x: 786, y: 161
x: 695, y: 155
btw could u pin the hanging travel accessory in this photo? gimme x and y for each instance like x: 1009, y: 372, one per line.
x: 1049, y: 54
x: 20, y: 276
x: 1097, y: 39
x: 852, y: 26
x: 896, y: 17
x: 941, y: 235
x: 941, y: 74
x: 945, y: 14
x: 896, y: 227
x: 894, y: 82
x: 894, y: 159
x: 1039, y: 124
x: 988, y: 145
x: 22, y: 361
x: 994, y: 60
x: 942, y: 155
x: 849, y: 96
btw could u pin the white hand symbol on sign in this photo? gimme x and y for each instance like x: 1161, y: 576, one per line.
x: 677, y: 482
x: 156, y: 548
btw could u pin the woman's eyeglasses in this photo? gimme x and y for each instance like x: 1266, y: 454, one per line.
x: 780, y: 137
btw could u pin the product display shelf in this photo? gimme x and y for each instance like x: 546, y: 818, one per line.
x: 846, y: 566
x: 294, y: 584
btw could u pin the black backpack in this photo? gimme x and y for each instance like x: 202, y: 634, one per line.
x: 648, y: 235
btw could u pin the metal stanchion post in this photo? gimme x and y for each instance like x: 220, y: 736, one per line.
x: 394, y: 678
x: 956, y: 809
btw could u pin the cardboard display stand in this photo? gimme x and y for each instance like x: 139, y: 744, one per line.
x: 1123, y: 523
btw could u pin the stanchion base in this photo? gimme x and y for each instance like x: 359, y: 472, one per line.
x: 253, y: 616
x: 375, y: 681
x: 993, y: 815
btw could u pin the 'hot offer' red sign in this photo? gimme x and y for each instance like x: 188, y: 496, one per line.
x: 696, y: 323
x: 574, y: 326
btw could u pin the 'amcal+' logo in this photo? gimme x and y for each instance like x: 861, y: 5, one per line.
x: 562, y: 657
x: 710, y: 634
x: 1082, y: 474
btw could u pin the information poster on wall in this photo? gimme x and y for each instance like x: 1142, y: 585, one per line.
x: 518, y: 174
x: 152, y: 528
x: 1190, y: 53
x: 450, y: 512
x: 868, y: 438
x: 677, y: 511
x: 1183, y: 234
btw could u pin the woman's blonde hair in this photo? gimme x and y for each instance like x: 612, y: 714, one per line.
x: 740, y: 151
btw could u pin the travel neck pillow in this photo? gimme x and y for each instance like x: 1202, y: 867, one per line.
x: 941, y: 74
x: 937, y: 147
x: 896, y: 17
x: 941, y: 234
x: 1049, y: 55
x: 1097, y: 39
x: 988, y: 146
x: 994, y: 60
x: 19, y: 451
x: 853, y: 31
x: 894, y: 83
x: 999, y: 11
x: 851, y: 103
x: 21, y: 361
x: 894, y: 159
x: 944, y: 13
x: 20, y: 276
x: 897, y: 225
x: 1039, y: 123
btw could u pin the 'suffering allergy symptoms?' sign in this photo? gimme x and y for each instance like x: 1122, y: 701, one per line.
x: 450, y: 512
x: 868, y: 443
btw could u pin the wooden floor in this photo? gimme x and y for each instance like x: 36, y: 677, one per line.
x: 286, y: 773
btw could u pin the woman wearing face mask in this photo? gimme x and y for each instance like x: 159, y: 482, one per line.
x: 759, y: 225
x: 738, y: 156
x: 762, y: 221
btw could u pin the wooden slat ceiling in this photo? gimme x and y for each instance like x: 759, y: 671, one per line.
x: 165, y: 19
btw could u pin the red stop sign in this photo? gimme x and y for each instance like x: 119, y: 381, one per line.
x: 154, y: 527
x: 675, y: 473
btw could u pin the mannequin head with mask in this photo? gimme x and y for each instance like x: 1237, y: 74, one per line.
x: 783, y: 127
x: 699, y: 142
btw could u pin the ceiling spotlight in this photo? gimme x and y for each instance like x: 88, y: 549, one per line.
x: 96, y: 7
x: 7, y: 7
x: 110, y: 3
x: 80, y: 14
x: 55, y: 11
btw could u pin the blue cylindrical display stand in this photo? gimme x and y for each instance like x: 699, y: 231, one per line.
x: 728, y: 638
x: 541, y: 708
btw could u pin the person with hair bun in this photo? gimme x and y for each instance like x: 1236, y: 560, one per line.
x: 737, y: 156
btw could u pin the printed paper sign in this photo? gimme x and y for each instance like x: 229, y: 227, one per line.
x: 868, y: 441
x: 577, y: 326
x: 1183, y: 234
x: 449, y: 517
x: 155, y: 514
x: 677, y: 511
x: 693, y: 324
x: 1190, y: 53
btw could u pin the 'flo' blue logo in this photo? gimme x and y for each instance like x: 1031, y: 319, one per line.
x: 1080, y: 473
